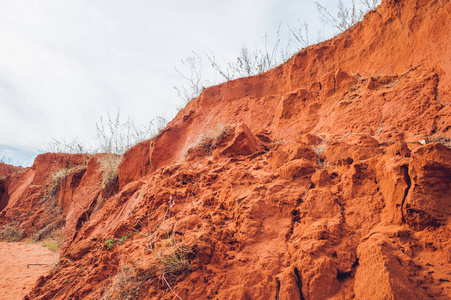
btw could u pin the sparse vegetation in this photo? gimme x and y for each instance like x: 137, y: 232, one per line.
x: 252, y: 62
x: 52, y: 245
x: 219, y: 132
x: 113, y: 136
x: 128, y: 282
x: 54, y: 181
x: 169, y: 260
x: 210, y: 140
x: 346, y: 17
x: 275, y: 50
x: 5, y: 160
x: 110, y: 164
x: 63, y: 146
x: 52, y: 230
x: 11, y: 233
x: 247, y: 63
x: 302, y: 37
x: 191, y: 72
x: 174, y: 261
x: 111, y: 242
x: 445, y: 140
x: 173, y: 257
x: 55, y: 240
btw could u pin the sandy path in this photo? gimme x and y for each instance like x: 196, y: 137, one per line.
x: 16, y: 280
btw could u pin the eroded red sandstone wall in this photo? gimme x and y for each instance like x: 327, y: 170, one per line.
x: 328, y: 177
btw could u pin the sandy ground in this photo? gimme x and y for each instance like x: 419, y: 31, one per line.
x: 16, y: 279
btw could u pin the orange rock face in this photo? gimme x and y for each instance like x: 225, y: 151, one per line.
x: 328, y: 177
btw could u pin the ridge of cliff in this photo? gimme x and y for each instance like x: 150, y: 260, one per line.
x: 328, y: 177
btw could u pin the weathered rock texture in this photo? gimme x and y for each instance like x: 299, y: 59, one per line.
x: 328, y: 177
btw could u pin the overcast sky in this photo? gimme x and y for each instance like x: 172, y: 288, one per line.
x: 64, y: 64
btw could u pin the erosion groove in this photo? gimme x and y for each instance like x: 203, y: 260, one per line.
x: 299, y: 283
x: 405, y: 171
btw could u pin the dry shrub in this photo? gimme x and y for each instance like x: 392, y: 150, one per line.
x: 55, y: 240
x: 173, y: 258
x: 110, y: 165
x: 445, y: 140
x: 54, y: 221
x: 168, y: 263
x: 11, y: 233
x: 202, y: 144
x: 219, y: 133
x: 170, y: 259
x: 176, y: 262
x: 129, y: 282
x: 52, y: 230
x: 100, y: 201
x: 210, y: 140
x: 55, y: 179
x: 110, y: 184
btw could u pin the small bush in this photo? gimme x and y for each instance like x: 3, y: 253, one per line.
x: 123, y: 285
x: 113, y: 136
x: 52, y: 245
x: 346, y: 16
x: 52, y: 230
x: 192, y: 73
x: 174, y: 258
x: 445, y: 140
x: 11, y: 233
x: 210, y: 140
x: 219, y: 133
x: 176, y: 263
x: 55, y: 242
x: 54, y: 181
x: 273, y: 52
x: 111, y: 242
x: 128, y: 282
x: 110, y: 165
x: 5, y: 160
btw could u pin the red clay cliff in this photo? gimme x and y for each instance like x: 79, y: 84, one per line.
x: 328, y: 177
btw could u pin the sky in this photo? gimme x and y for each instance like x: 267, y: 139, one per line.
x: 64, y: 64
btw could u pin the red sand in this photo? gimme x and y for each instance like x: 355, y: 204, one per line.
x: 16, y: 279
